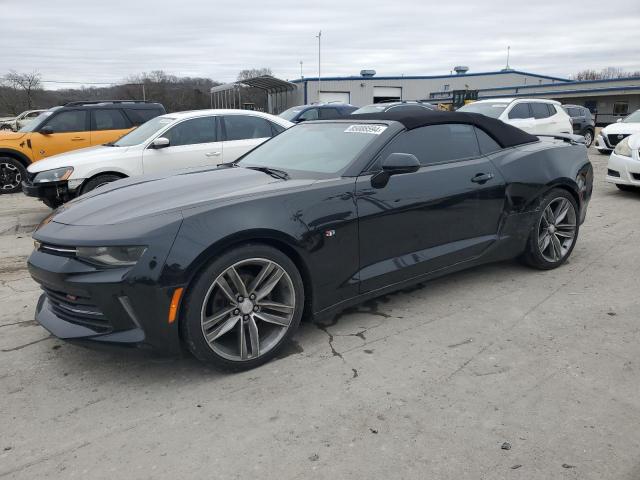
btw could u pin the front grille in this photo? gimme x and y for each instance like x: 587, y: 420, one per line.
x: 616, y: 138
x: 613, y: 173
x: 78, y: 310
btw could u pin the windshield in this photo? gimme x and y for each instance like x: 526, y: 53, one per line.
x: 370, y: 109
x: 36, y: 122
x: 633, y: 118
x: 490, y: 109
x: 314, y: 147
x: 143, y: 132
x: 291, y: 113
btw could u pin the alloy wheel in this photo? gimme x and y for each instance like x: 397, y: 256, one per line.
x: 557, y: 229
x: 588, y: 138
x: 10, y: 176
x: 248, y: 309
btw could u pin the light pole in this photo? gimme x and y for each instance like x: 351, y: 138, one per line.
x: 319, y: 36
x: 301, y: 75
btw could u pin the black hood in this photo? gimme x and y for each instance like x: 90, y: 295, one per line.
x: 134, y: 198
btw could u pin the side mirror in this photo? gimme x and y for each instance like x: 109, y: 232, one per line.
x: 395, y: 164
x: 46, y: 130
x: 160, y: 142
x: 618, y: 120
x: 299, y: 120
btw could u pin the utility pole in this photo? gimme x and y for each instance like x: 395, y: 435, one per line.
x: 144, y: 95
x: 319, y: 36
x: 301, y: 75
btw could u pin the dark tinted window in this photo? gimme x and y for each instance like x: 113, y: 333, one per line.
x: 276, y: 129
x: 311, y: 114
x: 487, y: 144
x: 109, y: 120
x: 241, y: 127
x: 539, y: 110
x: 69, y: 121
x: 194, y: 131
x: 521, y: 110
x: 139, y: 116
x: 552, y: 109
x: 436, y: 143
x: 328, y: 113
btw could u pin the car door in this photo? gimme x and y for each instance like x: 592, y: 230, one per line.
x: 446, y: 212
x: 577, y: 119
x: 545, y: 123
x: 193, y: 143
x: 519, y: 115
x: 108, y: 125
x: 242, y: 133
x: 64, y: 131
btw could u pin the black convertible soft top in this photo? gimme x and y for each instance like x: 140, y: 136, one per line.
x: 506, y: 135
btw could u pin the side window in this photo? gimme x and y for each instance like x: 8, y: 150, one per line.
x: 311, y: 114
x: 192, y: 132
x: 487, y: 144
x: 539, y: 110
x: 328, y: 113
x: 436, y: 143
x: 553, y: 110
x: 242, y: 127
x: 33, y: 114
x: 276, y: 129
x: 520, y: 110
x: 138, y: 116
x: 69, y: 121
x: 109, y: 120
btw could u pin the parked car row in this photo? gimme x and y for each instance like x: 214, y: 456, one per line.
x: 226, y: 260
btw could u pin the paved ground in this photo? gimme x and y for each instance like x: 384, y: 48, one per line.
x: 427, y: 383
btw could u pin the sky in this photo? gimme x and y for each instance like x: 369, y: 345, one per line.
x: 107, y: 41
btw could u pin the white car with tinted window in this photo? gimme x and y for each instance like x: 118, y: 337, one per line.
x: 611, y: 135
x: 623, y: 168
x: 537, y: 116
x: 174, y: 141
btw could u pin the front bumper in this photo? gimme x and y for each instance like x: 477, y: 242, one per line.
x: 601, y: 143
x: 54, y: 191
x: 623, y: 170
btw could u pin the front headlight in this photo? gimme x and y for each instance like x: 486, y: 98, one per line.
x: 623, y: 148
x: 55, y: 175
x: 111, y: 256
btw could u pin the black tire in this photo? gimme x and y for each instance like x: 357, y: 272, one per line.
x: 12, y: 172
x: 535, y: 255
x: 99, y: 181
x: 52, y: 203
x: 603, y: 152
x: 588, y: 135
x: 627, y: 188
x: 202, y: 293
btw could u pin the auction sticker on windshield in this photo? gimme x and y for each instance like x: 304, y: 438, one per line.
x: 372, y: 129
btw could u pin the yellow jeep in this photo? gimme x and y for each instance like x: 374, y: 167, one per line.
x: 69, y: 127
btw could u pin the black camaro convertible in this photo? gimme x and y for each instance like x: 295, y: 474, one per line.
x: 325, y: 215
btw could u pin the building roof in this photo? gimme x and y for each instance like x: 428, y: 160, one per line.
x: 425, y: 77
x: 265, y: 82
x: 506, y: 135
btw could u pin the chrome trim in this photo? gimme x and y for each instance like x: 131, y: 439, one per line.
x: 78, y: 311
x: 58, y: 249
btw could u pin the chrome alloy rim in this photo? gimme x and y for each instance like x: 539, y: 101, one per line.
x: 248, y: 309
x: 557, y: 229
x: 10, y: 176
x: 588, y: 138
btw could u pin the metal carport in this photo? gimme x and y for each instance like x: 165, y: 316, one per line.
x: 229, y: 95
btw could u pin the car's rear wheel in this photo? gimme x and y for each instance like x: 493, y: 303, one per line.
x: 555, y: 232
x: 99, y: 181
x: 588, y: 137
x: 12, y: 172
x: 243, y: 307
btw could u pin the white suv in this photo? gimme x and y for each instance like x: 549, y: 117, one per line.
x: 533, y: 115
x: 175, y: 141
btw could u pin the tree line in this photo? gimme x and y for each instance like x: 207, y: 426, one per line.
x: 25, y: 91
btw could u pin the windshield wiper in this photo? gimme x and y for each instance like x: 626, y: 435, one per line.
x: 274, y: 172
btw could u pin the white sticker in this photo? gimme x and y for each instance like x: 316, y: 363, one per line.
x: 372, y: 129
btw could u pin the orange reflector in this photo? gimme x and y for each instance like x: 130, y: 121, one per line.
x: 175, y: 303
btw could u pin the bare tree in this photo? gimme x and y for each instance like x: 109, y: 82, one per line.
x: 604, y: 74
x: 254, y: 72
x: 27, y: 82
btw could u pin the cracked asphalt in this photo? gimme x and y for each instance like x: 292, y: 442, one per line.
x: 431, y: 382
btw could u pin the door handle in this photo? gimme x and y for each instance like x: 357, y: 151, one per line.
x: 212, y: 154
x: 77, y: 139
x: 482, y: 178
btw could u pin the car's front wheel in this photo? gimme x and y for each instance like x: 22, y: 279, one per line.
x: 603, y: 151
x: 99, y: 181
x: 12, y: 172
x: 243, y: 307
x: 555, y: 232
